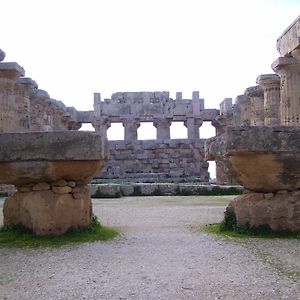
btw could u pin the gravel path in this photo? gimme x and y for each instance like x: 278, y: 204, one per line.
x: 159, y: 255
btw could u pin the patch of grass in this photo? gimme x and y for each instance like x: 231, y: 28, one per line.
x: 19, y: 236
x: 245, y: 231
x: 229, y: 227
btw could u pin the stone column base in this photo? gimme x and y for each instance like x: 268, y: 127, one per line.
x: 281, y: 211
x: 52, y: 210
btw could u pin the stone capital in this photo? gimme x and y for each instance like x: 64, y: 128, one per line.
x: 40, y: 94
x: 166, y: 122
x: 283, y: 64
x: 254, y: 91
x: 265, y: 80
x: 131, y: 123
x: 11, y: 70
x: 31, y: 84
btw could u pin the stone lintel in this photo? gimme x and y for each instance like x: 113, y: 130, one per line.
x: 266, y: 79
x: 11, y: 70
x: 85, y: 116
x: 263, y: 139
x: 50, y: 146
x: 284, y: 62
x: 290, y: 39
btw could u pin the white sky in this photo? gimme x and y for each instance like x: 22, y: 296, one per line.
x: 73, y: 48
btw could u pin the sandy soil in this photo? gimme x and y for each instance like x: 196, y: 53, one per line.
x: 159, y: 255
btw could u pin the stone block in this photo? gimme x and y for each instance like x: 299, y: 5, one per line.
x: 45, y: 212
x: 148, y: 189
x: 127, y: 189
x: 280, y: 212
x: 61, y: 189
x: 71, y: 184
x: 109, y: 189
x: 41, y: 186
x: 60, y: 182
x: 168, y: 188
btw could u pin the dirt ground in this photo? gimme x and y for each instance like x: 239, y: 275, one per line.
x: 160, y: 254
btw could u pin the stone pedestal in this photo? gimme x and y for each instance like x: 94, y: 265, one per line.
x: 281, y: 211
x: 50, y: 171
x: 271, y: 85
x: 49, y: 209
x: 266, y: 161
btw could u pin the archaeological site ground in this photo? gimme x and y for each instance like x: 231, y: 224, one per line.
x: 156, y: 193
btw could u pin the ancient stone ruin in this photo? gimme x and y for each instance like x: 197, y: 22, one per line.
x: 50, y: 162
x: 49, y: 165
x: 161, y: 158
x: 258, y: 142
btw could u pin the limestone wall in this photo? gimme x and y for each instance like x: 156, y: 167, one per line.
x: 179, y: 158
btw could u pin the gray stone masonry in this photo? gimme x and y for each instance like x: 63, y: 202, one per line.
x: 156, y: 159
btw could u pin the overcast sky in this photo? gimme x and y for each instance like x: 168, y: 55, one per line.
x: 73, y: 48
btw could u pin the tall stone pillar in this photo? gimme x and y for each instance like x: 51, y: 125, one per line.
x: 256, y: 95
x: 193, y: 125
x: 271, y: 86
x: 9, y: 94
x: 131, y: 126
x: 23, y: 102
x: 163, y: 128
x: 289, y: 70
x: 245, y: 109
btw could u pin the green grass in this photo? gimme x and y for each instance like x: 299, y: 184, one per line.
x: 19, y: 236
x: 245, y: 232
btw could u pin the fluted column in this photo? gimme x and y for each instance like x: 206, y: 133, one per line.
x: 256, y: 95
x: 289, y: 70
x: 131, y: 126
x: 193, y: 125
x: 271, y: 86
x: 242, y: 111
x: 9, y: 95
x: 162, y: 128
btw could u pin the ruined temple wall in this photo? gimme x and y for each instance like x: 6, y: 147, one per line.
x: 178, y: 158
x: 160, y: 158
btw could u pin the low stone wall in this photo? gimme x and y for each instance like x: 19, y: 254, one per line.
x: 178, y: 158
x: 159, y: 189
